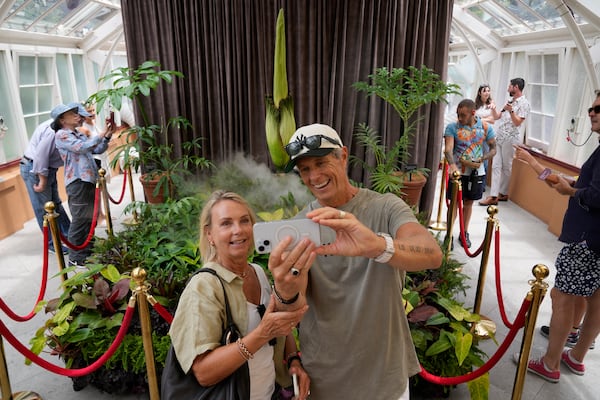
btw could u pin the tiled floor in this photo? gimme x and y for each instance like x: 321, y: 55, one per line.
x: 525, y: 242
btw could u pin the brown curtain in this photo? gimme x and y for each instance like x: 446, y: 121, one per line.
x: 225, y: 50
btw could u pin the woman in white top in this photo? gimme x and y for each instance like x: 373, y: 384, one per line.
x: 486, y: 107
x: 486, y: 111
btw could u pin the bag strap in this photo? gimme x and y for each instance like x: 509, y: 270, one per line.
x: 230, y: 321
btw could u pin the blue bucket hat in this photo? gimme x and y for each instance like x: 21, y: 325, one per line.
x: 61, y: 109
x: 80, y: 109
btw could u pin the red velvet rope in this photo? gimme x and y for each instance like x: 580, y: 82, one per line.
x: 92, y: 228
x: 451, y: 381
x: 122, y: 190
x: 42, y: 292
x: 498, y: 280
x: 65, y: 371
x: 163, y: 312
x: 462, y: 229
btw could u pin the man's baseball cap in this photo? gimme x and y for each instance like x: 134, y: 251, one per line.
x: 314, y: 140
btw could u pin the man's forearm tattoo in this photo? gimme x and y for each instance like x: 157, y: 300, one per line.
x: 449, y: 157
x: 416, y: 249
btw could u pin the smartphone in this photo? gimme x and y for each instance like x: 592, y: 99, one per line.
x: 296, y: 387
x: 267, y: 235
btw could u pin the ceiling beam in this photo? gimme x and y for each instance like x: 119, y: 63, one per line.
x: 5, y: 8
x: 567, y: 17
x: 112, y: 28
x: 588, y: 9
x: 475, y: 28
x: 11, y: 36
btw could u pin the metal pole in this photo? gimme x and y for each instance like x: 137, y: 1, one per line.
x: 134, y: 220
x: 139, y: 276
x: 440, y: 225
x: 485, y: 253
x: 456, y: 185
x: 485, y: 326
x: 4, y: 380
x: 50, y: 220
x: 536, y: 295
x: 105, y: 200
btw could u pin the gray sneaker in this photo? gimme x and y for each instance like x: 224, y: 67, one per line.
x: 571, y: 340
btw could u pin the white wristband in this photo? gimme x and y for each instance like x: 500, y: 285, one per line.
x: 389, y: 251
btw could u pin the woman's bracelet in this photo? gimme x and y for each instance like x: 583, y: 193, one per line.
x: 246, y: 354
x: 284, y: 301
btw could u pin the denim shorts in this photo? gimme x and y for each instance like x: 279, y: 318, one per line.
x: 577, y: 270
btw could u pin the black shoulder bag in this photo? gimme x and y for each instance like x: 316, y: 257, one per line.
x: 177, y: 385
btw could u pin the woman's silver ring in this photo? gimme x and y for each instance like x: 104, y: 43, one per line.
x: 342, y: 214
x: 295, y: 271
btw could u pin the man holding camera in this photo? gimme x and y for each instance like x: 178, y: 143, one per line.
x: 508, y: 134
x: 464, y: 152
x: 356, y: 316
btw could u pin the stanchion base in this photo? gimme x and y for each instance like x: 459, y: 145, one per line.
x: 26, y: 396
x: 438, y: 226
x: 130, y: 221
x: 484, y: 328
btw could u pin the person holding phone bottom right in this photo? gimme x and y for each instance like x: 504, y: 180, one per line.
x: 577, y: 264
x: 356, y: 318
x: 226, y: 241
x: 512, y: 116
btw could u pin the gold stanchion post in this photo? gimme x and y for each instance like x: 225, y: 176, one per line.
x: 134, y: 219
x: 485, y: 326
x: 50, y: 220
x: 5, y: 381
x: 139, y: 276
x: 105, y: 200
x: 440, y: 225
x: 452, y: 209
x: 535, y: 295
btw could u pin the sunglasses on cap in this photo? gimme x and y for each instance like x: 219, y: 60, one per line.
x: 595, y: 109
x: 311, y: 143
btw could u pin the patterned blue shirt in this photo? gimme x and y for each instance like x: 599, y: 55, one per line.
x: 77, y: 150
x: 468, y: 142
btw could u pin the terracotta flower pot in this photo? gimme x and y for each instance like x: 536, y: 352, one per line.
x: 412, y: 187
x: 149, y: 185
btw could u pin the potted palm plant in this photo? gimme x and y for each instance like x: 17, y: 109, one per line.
x: 164, y: 171
x: 406, y: 90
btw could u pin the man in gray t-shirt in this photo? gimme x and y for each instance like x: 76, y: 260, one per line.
x: 356, y: 318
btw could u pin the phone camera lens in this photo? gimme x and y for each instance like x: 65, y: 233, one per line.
x: 266, y: 242
x: 261, y: 248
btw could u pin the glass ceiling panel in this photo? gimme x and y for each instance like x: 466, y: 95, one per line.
x: 75, y: 18
x: 513, y: 17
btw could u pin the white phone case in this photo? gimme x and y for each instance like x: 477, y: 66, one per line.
x: 267, y: 235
